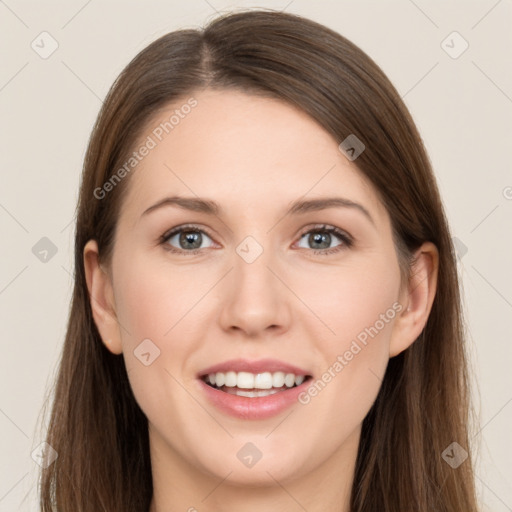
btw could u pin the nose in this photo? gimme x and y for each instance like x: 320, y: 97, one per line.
x: 255, y: 301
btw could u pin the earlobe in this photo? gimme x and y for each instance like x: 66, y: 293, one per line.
x: 101, y: 298
x: 416, y: 299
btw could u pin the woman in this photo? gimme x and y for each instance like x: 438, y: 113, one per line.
x: 266, y: 312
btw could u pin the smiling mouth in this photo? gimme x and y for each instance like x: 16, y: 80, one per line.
x: 254, y: 385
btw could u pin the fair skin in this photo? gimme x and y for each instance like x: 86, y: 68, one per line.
x: 253, y: 156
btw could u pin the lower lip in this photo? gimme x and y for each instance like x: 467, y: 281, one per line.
x: 256, y: 408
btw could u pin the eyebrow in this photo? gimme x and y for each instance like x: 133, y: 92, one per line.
x: 209, y: 207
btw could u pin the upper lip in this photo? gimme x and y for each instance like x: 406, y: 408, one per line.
x: 256, y: 366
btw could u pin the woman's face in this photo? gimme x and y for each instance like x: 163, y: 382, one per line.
x: 277, y: 259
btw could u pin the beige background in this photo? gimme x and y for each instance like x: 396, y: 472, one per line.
x: 463, y: 108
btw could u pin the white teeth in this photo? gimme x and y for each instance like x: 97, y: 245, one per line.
x: 251, y: 394
x: 299, y: 379
x: 247, y: 380
x: 278, y: 380
x: 231, y: 379
x: 220, y: 379
x: 289, y: 380
x: 263, y: 380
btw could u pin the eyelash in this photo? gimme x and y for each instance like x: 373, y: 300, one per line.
x: 346, y: 239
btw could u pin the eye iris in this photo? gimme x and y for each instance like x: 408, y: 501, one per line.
x: 190, y: 240
x: 324, y: 239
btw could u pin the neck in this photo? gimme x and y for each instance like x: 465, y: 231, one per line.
x: 179, y: 485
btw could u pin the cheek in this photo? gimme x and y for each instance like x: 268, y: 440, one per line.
x: 152, y: 304
x: 352, y: 298
x: 152, y: 298
x: 359, y: 304
x: 166, y: 305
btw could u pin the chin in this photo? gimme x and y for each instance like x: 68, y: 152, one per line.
x: 249, y: 466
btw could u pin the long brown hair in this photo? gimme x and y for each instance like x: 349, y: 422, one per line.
x: 97, y: 427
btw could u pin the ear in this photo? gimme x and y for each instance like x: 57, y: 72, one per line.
x: 416, y: 299
x: 101, y: 297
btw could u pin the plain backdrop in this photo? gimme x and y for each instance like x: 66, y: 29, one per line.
x: 458, y: 88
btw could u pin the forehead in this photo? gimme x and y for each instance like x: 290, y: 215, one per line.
x: 244, y: 151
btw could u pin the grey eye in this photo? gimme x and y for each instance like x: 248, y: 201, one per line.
x: 188, y: 239
x: 318, y: 239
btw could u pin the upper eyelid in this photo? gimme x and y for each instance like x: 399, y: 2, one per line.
x: 185, y: 227
x: 326, y: 227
